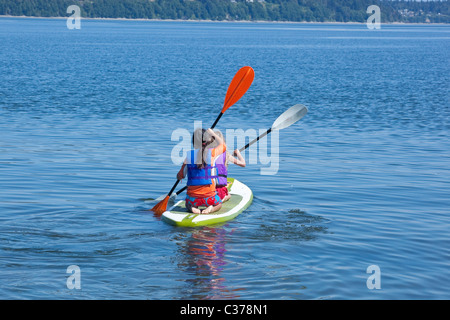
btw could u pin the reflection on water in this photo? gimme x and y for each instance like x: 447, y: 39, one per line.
x: 204, y: 255
x: 204, y: 259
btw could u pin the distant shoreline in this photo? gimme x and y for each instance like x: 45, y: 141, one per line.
x: 226, y: 21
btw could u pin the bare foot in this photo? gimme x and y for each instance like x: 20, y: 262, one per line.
x: 207, y: 210
x: 195, y: 210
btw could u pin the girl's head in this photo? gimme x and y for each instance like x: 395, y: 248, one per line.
x: 216, y: 143
x: 201, y: 138
x: 202, y: 141
x: 219, y: 133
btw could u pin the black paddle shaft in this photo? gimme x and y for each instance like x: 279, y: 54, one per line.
x: 173, y: 188
x: 254, y: 140
x: 217, y: 120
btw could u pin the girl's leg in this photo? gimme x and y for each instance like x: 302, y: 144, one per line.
x: 195, y: 210
x: 212, y: 209
x: 223, y: 193
x: 190, y: 205
x: 214, y: 204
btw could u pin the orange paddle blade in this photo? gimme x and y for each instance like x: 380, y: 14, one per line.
x: 161, y: 206
x: 242, y: 80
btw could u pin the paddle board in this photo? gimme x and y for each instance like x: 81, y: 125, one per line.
x: 241, y: 198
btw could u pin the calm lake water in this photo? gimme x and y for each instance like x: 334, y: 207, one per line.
x: 86, y: 120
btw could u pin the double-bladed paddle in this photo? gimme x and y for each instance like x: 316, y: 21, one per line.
x: 237, y: 88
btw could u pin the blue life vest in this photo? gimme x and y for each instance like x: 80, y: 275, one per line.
x: 199, y: 176
x: 222, y: 170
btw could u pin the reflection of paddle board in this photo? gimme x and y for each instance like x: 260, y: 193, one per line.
x: 241, y: 198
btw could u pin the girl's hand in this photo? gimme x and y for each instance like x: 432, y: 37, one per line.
x: 240, y: 161
x: 180, y: 174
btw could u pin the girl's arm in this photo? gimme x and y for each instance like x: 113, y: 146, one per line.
x: 240, y: 161
x: 182, y: 173
x: 218, y: 139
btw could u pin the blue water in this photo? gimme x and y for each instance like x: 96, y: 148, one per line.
x: 86, y: 120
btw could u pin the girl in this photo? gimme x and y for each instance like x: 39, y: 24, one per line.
x: 199, y: 167
x: 221, y: 165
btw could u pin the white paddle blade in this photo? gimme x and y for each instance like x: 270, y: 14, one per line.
x: 289, y: 117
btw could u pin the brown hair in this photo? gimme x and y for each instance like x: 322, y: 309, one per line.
x: 201, y: 140
x: 219, y: 133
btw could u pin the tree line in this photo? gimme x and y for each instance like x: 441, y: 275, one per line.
x: 237, y: 10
